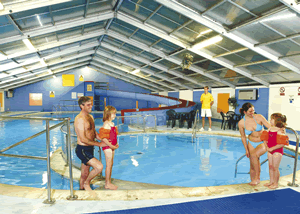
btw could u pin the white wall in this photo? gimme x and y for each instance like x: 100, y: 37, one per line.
x: 215, y: 93
x: 186, y: 95
x: 164, y: 93
x: 282, y: 104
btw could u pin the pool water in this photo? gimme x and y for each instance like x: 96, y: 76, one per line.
x: 166, y: 159
x: 172, y: 159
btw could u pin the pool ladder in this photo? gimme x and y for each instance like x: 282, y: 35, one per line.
x: 196, y: 121
x: 292, y: 156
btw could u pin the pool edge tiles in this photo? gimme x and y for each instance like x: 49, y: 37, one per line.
x: 140, y: 194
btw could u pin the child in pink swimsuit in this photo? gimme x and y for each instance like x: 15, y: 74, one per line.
x: 275, y: 139
x: 108, y: 132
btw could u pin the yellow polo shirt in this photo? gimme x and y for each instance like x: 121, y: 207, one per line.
x: 206, y: 98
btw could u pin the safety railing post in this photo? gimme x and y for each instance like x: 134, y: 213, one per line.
x: 296, y: 159
x: 49, y: 200
x: 72, y: 196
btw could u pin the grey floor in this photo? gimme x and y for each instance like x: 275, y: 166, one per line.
x: 11, y: 205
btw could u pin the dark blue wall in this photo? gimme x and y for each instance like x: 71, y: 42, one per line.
x: 261, y: 105
x: 20, y: 100
x: 173, y: 94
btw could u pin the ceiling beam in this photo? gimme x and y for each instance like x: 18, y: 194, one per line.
x: 148, y: 62
x: 49, y: 65
x: 28, y: 5
x: 11, y: 21
x: 63, y: 25
x: 56, y: 44
x: 161, y: 54
x: 128, y: 71
x: 266, y: 52
x: 46, y: 75
x: 292, y: 5
x: 126, y: 74
x: 151, y: 29
x: 93, y: 65
x: 144, y: 70
x: 50, y: 56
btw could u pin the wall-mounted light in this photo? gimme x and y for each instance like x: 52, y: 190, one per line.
x: 207, y: 42
x: 28, y: 44
x: 136, y: 71
x: 204, y: 32
x: 38, y: 18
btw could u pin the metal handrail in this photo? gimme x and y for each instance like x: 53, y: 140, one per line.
x: 241, y: 159
x: 53, y: 107
x: 49, y: 200
x: 197, y: 118
x: 296, y: 158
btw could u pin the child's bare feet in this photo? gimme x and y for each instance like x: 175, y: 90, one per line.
x: 254, y: 183
x: 268, y: 184
x: 273, y: 186
x: 110, y: 186
x: 87, y: 187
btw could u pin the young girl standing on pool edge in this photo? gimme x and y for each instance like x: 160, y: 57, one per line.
x: 109, y: 132
x: 275, y: 139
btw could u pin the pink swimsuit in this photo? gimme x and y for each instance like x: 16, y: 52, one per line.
x: 272, y: 141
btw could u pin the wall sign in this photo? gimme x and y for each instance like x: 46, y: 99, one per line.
x: 80, y: 95
x: 74, y: 95
x: 89, y: 88
x: 282, y: 90
x: 52, y: 94
x: 81, y: 78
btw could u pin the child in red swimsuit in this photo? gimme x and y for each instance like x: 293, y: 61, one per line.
x: 108, y: 132
x: 275, y: 139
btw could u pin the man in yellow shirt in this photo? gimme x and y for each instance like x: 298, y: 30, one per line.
x: 207, y: 101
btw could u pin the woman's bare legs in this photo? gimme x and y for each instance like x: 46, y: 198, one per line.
x: 276, y: 174
x: 255, y: 153
x: 270, y: 159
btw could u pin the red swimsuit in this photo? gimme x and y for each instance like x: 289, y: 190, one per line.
x: 109, y: 135
x: 272, y: 141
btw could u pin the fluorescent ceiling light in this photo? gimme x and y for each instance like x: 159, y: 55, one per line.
x: 279, y: 17
x: 38, y: 17
x: 204, y: 32
x: 43, y: 62
x: 135, y: 71
x: 207, y: 42
x: 28, y: 44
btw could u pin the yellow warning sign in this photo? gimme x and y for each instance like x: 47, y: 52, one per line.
x: 81, y: 78
x: 52, y: 94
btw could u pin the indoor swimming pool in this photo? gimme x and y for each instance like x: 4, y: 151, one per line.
x: 166, y: 159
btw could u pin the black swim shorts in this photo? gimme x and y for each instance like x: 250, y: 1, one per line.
x: 84, y: 153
